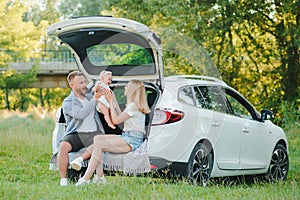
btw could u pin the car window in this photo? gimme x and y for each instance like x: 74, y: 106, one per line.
x: 237, y: 108
x: 214, y: 98
x: 185, y: 95
x: 119, y: 54
x: 200, y: 99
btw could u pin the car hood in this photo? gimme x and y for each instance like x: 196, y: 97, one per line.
x: 129, y: 49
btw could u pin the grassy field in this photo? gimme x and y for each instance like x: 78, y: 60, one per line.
x: 25, y: 150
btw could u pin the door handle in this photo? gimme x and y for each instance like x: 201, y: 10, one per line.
x: 245, y: 130
x: 215, y: 124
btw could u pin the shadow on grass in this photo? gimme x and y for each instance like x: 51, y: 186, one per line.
x: 168, y: 178
x: 247, y: 180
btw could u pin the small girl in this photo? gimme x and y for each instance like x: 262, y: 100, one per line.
x: 105, y: 79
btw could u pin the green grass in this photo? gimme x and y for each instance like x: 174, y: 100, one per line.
x: 25, y: 150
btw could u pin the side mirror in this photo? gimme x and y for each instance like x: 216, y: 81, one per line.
x: 266, y: 115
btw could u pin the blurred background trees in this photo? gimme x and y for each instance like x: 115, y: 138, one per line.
x: 253, y: 46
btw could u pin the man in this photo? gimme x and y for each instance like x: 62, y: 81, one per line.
x: 82, y: 121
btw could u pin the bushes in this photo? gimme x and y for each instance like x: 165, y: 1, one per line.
x: 288, y: 115
x: 23, y: 99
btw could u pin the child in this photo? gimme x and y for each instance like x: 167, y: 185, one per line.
x: 105, y: 79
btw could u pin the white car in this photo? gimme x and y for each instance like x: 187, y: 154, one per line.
x: 199, y: 126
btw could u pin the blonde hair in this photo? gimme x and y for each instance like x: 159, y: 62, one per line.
x: 104, y: 73
x: 73, y: 74
x: 136, y: 93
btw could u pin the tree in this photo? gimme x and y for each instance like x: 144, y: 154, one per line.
x: 13, y: 80
x: 42, y: 10
x: 20, y: 40
x: 251, y: 42
x: 75, y: 8
x: 286, y: 31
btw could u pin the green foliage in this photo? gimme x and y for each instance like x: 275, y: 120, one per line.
x: 41, y: 10
x: 75, y: 8
x: 253, y: 46
x: 19, y: 39
x: 10, y: 79
x: 13, y: 79
x: 118, y: 54
x: 26, y: 150
x: 288, y: 114
x: 24, y: 99
x: 250, y: 42
x: 137, y: 57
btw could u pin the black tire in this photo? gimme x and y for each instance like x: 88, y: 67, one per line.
x: 200, y: 165
x: 279, y: 164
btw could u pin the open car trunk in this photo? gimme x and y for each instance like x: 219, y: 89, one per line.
x: 129, y: 49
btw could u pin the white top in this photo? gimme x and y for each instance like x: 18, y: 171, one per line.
x: 89, y: 123
x: 102, y: 99
x: 136, y: 120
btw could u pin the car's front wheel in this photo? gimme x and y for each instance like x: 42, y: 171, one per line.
x: 200, y: 165
x: 279, y: 164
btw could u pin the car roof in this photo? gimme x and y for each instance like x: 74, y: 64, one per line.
x: 178, y: 81
x: 182, y: 80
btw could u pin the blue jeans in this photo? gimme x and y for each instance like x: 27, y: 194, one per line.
x: 133, y: 138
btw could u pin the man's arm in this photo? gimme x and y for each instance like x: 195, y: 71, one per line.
x: 73, y: 107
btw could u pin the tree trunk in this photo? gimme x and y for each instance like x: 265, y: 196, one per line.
x: 291, y: 79
x: 41, y: 97
x: 7, y: 99
x: 21, y: 100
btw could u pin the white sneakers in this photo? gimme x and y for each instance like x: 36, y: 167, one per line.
x: 77, y: 163
x: 81, y: 182
x: 96, y: 180
x: 63, y: 182
x: 99, y: 180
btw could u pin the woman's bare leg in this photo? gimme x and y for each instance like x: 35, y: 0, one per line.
x: 104, y: 143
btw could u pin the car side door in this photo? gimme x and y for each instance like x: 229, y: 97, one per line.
x: 224, y: 133
x: 254, y: 140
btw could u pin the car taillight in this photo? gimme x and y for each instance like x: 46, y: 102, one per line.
x: 153, y: 167
x: 166, y: 116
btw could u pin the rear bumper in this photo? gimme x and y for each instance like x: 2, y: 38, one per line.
x: 164, y: 166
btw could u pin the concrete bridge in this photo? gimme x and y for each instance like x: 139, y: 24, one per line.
x: 53, y: 69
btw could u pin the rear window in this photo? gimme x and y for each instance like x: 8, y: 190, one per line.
x: 122, y: 53
x: 118, y: 55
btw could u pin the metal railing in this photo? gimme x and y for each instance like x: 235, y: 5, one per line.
x: 64, y: 56
x: 58, y: 56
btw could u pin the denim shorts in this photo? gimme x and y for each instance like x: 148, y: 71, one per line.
x: 133, y: 138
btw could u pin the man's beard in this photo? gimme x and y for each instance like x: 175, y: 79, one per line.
x: 81, y: 91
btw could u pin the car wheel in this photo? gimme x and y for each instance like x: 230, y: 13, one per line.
x: 279, y: 164
x: 200, y: 165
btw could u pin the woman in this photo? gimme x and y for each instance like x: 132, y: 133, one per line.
x: 134, y: 129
